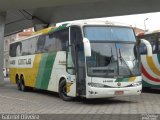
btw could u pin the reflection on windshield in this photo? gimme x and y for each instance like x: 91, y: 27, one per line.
x: 128, y: 59
x: 103, y: 61
x: 112, y: 59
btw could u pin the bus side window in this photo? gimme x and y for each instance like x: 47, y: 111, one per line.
x: 15, y: 49
x: 62, y: 40
x: 28, y: 47
x: 19, y: 49
x: 159, y: 46
x: 154, y: 46
x: 40, y: 44
x: 32, y: 45
x: 50, y: 43
x: 142, y: 49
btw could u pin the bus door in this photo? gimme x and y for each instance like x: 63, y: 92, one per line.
x: 77, y: 53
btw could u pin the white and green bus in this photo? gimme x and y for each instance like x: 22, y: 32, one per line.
x: 87, y: 59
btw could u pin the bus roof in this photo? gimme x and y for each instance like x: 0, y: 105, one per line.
x: 92, y: 22
x: 79, y: 23
x: 148, y: 33
x: 76, y: 23
x: 43, y: 31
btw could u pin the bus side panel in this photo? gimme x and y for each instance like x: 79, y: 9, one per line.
x: 150, y: 70
x: 58, y: 71
x: 45, y: 69
x: 29, y: 73
x: 12, y: 75
x: 145, y: 84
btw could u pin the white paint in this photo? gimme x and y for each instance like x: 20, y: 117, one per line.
x: 146, y: 66
x: 148, y: 46
x: 22, y: 61
x: 149, y: 81
x: 59, y: 71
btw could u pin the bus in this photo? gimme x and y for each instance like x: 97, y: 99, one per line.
x: 89, y: 59
x: 150, y: 65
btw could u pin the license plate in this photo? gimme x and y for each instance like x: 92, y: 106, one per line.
x: 119, y: 92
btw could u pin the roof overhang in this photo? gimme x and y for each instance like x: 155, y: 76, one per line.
x: 26, y: 13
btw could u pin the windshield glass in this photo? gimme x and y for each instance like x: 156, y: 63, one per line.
x: 113, y: 59
x: 103, y: 61
x: 128, y: 60
x: 109, y: 33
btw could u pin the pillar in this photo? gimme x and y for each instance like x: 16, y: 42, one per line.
x: 2, y: 23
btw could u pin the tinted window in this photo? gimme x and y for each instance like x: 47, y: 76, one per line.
x: 62, y: 38
x: 76, y: 36
x: 154, y: 46
x: 143, y: 49
x: 46, y: 43
x: 40, y: 44
x: 50, y: 43
x: 159, y: 45
x: 26, y: 47
x: 29, y: 46
x: 15, y: 49
x: 153, y: 39
x: 109, y: 33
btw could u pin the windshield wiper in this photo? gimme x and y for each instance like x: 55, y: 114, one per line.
x: 111, y: 55
x: 122, y: 60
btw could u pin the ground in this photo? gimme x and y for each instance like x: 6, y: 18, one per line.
x: 40, y: 102
x: 36, y: 101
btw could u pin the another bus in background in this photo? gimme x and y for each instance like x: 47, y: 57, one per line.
x: 150, y: 64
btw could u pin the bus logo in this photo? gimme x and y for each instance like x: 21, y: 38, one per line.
x: 119, y: 84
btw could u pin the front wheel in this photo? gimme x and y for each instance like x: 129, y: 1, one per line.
x: 63, y: 91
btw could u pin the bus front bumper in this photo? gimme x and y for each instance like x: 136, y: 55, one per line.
x: 94, y: 92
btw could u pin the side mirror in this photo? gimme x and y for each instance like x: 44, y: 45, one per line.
x: 148, y: 46
x: 87, y: 47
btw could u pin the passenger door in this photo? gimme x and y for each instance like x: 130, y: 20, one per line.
x: 76, y: 61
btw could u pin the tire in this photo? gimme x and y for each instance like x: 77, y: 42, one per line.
x: 62, y: 91
x: 22, y: 85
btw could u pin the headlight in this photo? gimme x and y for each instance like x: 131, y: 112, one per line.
x: 96, y: 85
x: 137, y: 83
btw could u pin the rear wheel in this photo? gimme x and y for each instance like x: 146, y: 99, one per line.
x: 63, y: 91
x: 22, y: 85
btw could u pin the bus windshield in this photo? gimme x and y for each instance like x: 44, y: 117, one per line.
x: 111, y: 54
x: 109, y: 33
x: 111, y: 60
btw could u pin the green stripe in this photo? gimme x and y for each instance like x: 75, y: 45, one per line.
x: 122, y: 79
x: 145, y: 84
x: 41, y: 70
x: 48, y: 70
x: 61, y: 27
